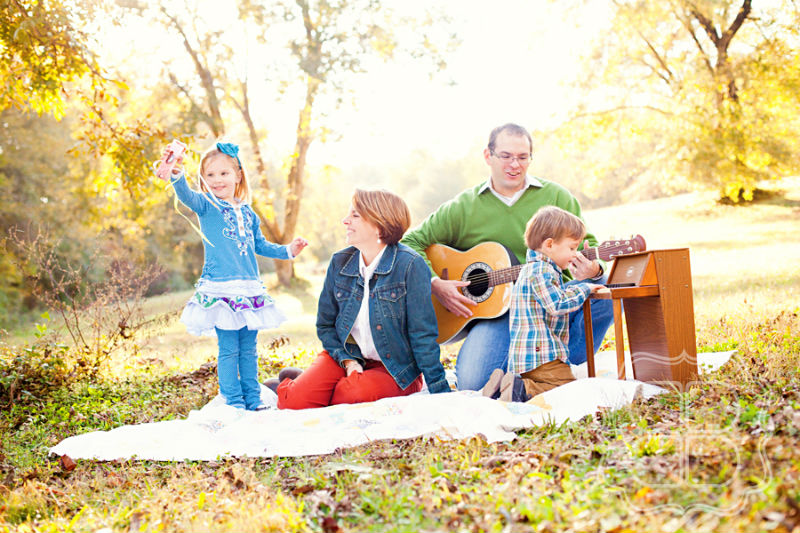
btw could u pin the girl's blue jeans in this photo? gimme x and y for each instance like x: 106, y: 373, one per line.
x: 486, y: 345
x: 237, y: 368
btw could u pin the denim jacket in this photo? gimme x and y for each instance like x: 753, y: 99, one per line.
x: 400, y: 314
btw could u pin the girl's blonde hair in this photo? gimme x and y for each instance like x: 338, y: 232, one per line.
x: 385, y: 210
x: 242, y: 192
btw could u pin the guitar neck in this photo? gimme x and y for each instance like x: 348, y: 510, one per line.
x: 591, y: 254
x: 504, y: 275
x: 510, y: 274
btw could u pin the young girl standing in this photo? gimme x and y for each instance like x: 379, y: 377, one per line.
x: 230, y: 300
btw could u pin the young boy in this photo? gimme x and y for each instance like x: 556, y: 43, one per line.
x: 540, y: 307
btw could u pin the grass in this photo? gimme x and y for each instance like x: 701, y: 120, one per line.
x: 722, y: 456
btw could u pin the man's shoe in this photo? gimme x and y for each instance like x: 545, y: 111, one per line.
x: 261, y: 407
x: 272, y: 384
x: 493, y: 385
x: 289, y: 372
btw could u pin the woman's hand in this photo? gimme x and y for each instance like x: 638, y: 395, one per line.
x: 297, y: 245
x: 351, y: 366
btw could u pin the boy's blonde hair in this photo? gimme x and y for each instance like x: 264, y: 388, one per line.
x: 384, y: 209
x: 242, y: 192
x: 552, y: 222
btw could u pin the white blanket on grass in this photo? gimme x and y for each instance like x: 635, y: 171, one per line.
x: 218, y: 431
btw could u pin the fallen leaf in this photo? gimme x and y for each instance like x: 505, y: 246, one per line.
x: 136, y: 522
x: 330, y: 525
x: 303, y: 489
x: 67, y: 464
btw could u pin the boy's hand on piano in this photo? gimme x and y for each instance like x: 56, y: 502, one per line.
x: 598, y: 288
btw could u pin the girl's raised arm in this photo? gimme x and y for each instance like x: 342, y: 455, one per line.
x: 194, y: 200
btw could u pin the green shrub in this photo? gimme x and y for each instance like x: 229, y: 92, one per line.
x: 29, y: 372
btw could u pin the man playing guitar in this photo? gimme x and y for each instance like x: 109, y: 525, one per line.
x: 497, y: 210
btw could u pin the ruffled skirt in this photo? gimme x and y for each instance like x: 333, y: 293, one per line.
x: 230, y: 305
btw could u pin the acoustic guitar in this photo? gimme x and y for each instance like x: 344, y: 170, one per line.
x: 490, y: 268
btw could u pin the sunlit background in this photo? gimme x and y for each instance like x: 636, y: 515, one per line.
x: 627, y: 102
x: 511, y: 61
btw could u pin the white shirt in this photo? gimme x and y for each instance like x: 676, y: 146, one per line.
x: 530, y: 181
x: 362, y: 331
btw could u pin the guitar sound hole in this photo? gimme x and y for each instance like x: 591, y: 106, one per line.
x: 478, y: 283
x: 479, y: 288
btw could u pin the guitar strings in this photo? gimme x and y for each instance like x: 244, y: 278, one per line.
x: 484, y: 277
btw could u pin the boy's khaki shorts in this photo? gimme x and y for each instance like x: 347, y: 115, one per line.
x: 547, y: 376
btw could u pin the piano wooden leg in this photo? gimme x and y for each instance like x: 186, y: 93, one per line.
x: 587, y: 326
x: 619, y: 339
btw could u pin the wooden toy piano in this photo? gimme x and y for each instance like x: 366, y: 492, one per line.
x: 655, y: 289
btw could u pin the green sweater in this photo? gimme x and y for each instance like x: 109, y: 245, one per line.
x: 475, y: 217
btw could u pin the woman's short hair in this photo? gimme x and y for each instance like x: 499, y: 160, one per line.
x: 552, y: 222
x: 385, y: 210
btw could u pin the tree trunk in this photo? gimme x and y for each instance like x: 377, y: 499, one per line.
x: 721, y: 40
x: 285, y: 271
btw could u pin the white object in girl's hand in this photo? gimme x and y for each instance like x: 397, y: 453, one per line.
x: 172, y: 154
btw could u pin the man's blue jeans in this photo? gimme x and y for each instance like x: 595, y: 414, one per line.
x: 486, y: 345
x: 237, y: 368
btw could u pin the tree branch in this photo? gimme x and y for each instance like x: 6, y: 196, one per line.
x: 688, y: 26
x: 215, y: 123
x: 668, y: 77
x: 706, y: 24
x: 192, y: 102
x: 270, y: 225
x: 617, y: 109
x: 744, y: 11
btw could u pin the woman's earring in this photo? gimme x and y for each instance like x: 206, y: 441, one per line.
x: 379, y: 238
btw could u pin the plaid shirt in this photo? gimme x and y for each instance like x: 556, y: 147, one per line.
x: 539, y: 315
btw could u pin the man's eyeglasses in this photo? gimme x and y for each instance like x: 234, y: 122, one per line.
x: 505, y: 157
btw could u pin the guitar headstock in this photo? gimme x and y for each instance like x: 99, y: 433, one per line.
x: 617, y: 247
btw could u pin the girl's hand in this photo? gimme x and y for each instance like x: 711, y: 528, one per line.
x: 297, y: 245
x: 178, y: 168
x: 351, y: 366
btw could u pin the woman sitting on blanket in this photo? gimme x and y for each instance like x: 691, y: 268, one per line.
x: 375, y: 317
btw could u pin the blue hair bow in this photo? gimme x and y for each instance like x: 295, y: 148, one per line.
x: 231, y: 150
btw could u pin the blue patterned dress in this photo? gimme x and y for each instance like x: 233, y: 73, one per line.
x: 229, y: 294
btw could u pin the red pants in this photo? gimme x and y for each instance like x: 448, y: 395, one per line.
x: 326, y: 383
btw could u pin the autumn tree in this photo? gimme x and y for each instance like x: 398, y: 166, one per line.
x: 707, y: 88
x: 326, y: 44
x: 53, y: 90
x: 40, y: 52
